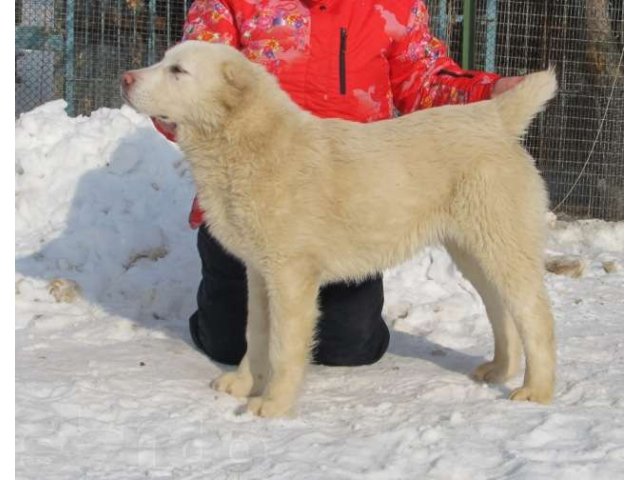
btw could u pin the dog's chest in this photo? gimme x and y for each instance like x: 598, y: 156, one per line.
x: 230, y: 209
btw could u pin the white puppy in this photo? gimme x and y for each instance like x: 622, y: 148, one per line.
x: 304, y: 201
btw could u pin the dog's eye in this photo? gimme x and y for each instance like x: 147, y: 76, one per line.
x: 176, y: 69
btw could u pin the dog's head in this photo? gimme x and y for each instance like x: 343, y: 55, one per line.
x: 196, y: 82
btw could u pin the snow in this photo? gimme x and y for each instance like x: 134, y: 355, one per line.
x: 109, y: 386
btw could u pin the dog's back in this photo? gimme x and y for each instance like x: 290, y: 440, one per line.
x: 421, y: 170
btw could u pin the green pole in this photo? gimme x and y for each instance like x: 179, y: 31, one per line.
x: 468, y: 33
x: 69, y: 58
x: 151, y: 45
x: 492, y: 33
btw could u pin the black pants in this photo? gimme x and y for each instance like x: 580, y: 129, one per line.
x: 350, y: 329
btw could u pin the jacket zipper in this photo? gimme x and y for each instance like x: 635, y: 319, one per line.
x: 343, y: 61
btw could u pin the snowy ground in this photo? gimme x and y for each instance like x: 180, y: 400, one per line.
x: 108, y: 385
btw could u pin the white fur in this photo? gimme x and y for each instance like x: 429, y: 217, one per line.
x: 305, y: 201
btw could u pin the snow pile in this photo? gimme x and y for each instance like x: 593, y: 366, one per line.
x: 99, y: 201
x: 108, y: 385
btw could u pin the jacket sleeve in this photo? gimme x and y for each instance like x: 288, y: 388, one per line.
x: 423, y: 76
x: 211, y: 21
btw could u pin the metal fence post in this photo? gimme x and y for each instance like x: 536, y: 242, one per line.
x: 151, y: 45
x: 443, y: 19
x: 468, y: 33
x: 69, y: 58
x: 492, y: 33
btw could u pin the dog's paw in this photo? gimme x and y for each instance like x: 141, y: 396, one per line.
x: 529, y: 394
x: 234, y: 384
x: 493, y: 372
x: 268, y: 407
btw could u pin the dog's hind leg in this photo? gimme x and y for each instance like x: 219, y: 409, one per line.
x: 512, y: 264
x: 498, y: 219
x: 535, y: 323
x: 253, y: 371
x: 507, y: 346
x: 293, y: 293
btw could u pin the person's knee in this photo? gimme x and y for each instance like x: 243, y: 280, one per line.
x: 221, y: 345
x: 218, y: 327
x: 351, y: 330
x: 352, y: 347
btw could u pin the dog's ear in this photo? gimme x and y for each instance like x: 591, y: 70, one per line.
x: 236, y: 74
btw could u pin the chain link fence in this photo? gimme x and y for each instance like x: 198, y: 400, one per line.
x: 76, y: 49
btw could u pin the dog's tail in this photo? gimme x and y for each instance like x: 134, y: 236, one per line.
x: 519, y: 105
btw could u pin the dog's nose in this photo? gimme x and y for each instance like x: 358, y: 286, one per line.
x: 127, y: 79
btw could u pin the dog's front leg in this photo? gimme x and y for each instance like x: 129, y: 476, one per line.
x: 293, y: 295
x: 253, y: 371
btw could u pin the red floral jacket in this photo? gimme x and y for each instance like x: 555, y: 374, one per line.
x: 359, y: 60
